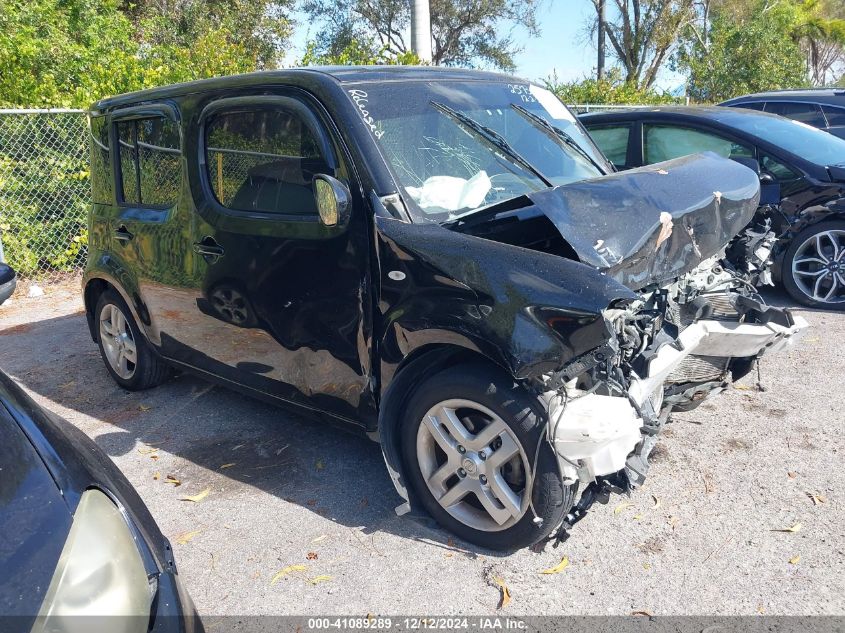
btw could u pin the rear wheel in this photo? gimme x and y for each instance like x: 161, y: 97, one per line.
x: 469, y: 440
x: 814, y: 266
x: 128, y: 357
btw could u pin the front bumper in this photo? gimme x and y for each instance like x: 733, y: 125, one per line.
x: 595, y: 434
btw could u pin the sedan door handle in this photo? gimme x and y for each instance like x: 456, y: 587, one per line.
x: 209, y: 248
x: 122, y: 234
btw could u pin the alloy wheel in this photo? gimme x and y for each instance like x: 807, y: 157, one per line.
x: 473, y: 465
x: 818, y: 266
x: 117, y: 340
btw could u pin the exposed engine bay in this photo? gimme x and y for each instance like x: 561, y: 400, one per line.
x: 672, y: 348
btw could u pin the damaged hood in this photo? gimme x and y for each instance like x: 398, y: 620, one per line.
x: 652, y: 224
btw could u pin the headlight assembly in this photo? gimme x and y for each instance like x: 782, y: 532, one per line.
x: 100, y: 573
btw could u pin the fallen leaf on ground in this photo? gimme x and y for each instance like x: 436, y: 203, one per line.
x: 817, y: 499
x: 318, y: 579
x: 794, y: 560
x: 197, y: 497
x: 146, y: 450
x: 638, y: 517
x: 760, y: 609
x: 563, y: 564
x: 743, y: 387
x: 229, y: 465
x: 504, y: 593
x: 643, y: 612
x: 792, y: 474
x: 144, y: 407
x: 622, y: 507
x: 311, y: 502
x: 656, y: 502
x: 662, y: 172
x: 646, y: 566
x: 320, y: 465
x: 185, y: 537
x: 234, y: 448
x: 815, y: 339
x: 156, y: 476
x: 311, y: 556
x: 673, y: 521
x: 792, y: 528
x: 322, y: 537
x: 285, y: 571
x: 170, y: 479
x: 154, y: 456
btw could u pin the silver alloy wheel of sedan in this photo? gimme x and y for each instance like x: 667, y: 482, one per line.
x: 818, y: 266
x: 118, y: 343
x: 473, y: 465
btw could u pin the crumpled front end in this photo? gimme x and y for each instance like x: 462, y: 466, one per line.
x: 674, y: 346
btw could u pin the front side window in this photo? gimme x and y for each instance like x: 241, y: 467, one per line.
x: 613, y: 141
x: 150, y: 161
x: 263, y: 159
x: 458, y: 147
x: 665, y: 142
x: 808, y: 113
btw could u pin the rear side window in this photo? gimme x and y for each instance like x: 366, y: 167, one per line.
x: 150, y: 161
x: 262, y: 159
x: 835, y: 116
x: 808, y: 113
x: 613, y: 141
x: 101, y: 181
x: 664, y: 142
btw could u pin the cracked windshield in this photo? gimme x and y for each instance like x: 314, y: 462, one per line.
x: 457, y: 147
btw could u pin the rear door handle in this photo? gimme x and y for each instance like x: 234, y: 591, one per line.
x: 122, y: 234
x: 209, y: 248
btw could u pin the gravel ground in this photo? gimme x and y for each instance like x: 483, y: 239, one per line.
x: 701, y: 537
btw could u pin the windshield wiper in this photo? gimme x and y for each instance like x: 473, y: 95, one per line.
x: 556, y: 134
x: 491, y: 137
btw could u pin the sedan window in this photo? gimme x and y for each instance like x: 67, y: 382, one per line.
x: 613, y: 141
x: 665, y: 142
x: 835, y: 116
x: 808, y: 113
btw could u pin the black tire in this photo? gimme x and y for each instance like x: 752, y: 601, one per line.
x: 149, y: 369
x: 789, y: 282
x: 525, y: 415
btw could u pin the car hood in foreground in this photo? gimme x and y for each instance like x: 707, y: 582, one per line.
x: 34, y: 522
x: 649, y: 225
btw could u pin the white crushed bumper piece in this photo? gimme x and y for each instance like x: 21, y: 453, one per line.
x: 725, y: 339
x: 593, y: 434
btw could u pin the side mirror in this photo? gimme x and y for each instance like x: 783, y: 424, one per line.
x: 333, y: 200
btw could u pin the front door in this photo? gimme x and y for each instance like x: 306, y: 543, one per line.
x: 281, y: 303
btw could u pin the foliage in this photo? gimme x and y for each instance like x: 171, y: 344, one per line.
x: 68, y: 53
x: 744, y: 53
x: 463, y: 32
x: 355, y: 52
x: 613, y: 89
x: 643, y: 34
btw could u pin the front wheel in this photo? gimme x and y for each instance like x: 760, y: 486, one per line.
x: 814, y: 266
x: 475, y: 451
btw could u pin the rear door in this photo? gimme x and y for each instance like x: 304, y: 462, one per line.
x: 280, y: 302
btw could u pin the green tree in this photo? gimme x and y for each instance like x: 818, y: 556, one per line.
x: 464, y: 32
x: 612, y: 90
x: 742, y: 51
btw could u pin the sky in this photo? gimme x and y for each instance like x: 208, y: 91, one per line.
x: 562, y: 46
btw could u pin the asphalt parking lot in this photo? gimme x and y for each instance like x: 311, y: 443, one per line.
x: 295, y: 517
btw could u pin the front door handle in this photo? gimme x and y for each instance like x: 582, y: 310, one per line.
x: 209, y: 249
x: 122, y: 234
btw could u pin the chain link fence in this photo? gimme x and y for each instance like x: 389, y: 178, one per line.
x: 44, y: 192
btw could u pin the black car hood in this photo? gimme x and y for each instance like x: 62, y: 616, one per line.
x: 649, y: 225
x: 34, y: 522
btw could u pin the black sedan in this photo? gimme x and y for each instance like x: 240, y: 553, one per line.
x: 78, y: 548
x: 823, y: 108
x: 806, y: 163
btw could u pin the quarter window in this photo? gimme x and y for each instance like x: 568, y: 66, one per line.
x: 835, y: 116
x: 613, y: 141
x: 664, y: 142
x: 150, y: 161
x: 101, y: 180
x: 781, y: 172
x: 808, y: 113
x: 263, y: 160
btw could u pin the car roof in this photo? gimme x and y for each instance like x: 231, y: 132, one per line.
x: 323, y: 74
x: 716, y: 114
x: 820, y: 95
